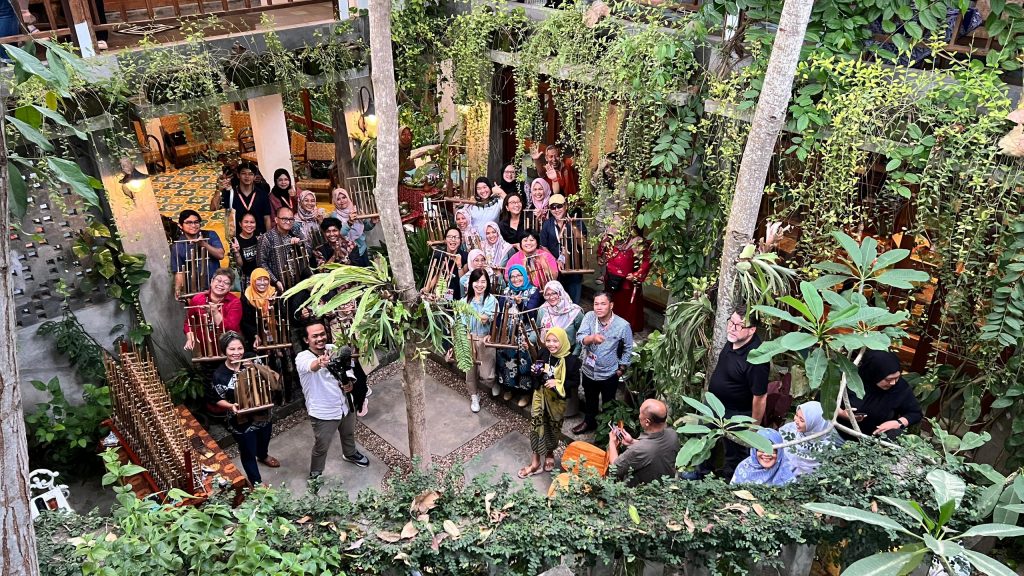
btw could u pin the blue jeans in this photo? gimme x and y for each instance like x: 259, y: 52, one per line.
x: 253, y: 446
x: 573, y: 284
x: 9, y: 23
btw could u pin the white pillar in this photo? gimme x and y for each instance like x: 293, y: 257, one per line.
x: 270, y: 133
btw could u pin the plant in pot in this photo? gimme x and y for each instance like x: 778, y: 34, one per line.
x: 332, y: 53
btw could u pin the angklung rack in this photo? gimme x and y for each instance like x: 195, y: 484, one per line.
x: 576, y: 254
x: 273, y: 326
x: 440, y: 270
x: 253, y: 390
x: 360, y: 192
x: 195, y: 267
x: 293, y: 261
x: 537, y: 268
x: 206, y: 332
x: 437, y: 220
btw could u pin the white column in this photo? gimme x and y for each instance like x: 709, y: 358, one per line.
x: 270, y: 133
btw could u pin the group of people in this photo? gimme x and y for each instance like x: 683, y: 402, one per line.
x: 887, y: 408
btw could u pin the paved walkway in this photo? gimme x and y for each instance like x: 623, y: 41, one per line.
x: 494, y: 440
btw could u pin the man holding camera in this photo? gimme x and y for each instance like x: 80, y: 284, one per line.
x: 330, y: 403
x: 652, y: 455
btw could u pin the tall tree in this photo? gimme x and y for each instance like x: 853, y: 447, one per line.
x: 18, y: 548
x: 386, y: 193
x: 769, y: 117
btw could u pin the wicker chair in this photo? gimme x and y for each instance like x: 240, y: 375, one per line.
x: 152, y: 151
x: 320, y: 152
x: 298, y: 147
x: 181, y: 145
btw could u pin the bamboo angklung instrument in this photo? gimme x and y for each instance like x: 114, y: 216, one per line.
x: 529, y: 218
x: 252, y: 389
x: 147, y: 422
x: 205, y: 333
x: 440, y: 272
x: 273, y: 326
x: 293, y: 262
x: 505, y: 328
x: 195, y: 267
x: 538, y: 269
x: 437, y: 221
x: 360, y: 192
x: 574, y: 248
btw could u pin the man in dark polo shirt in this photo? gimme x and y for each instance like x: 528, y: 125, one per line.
x: 652, y: 455
x: 741, y: 386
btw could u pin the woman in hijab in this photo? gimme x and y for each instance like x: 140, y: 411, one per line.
x: 352, y: 228
x: 256, y: 296
x: 496, y: 250
x: 476, y: 261
x: 464, y: 222
x: 554, y: 367
x: 514, y: 363
x: 559, y: 311
x: 540, y: 192
x: 308, y: 219
x: 488, y: 204
x: 283, y: 193
x: 765, y: 468
x: 888, y: 406
x: 803, y: 457
x: 508, y: 182
x: 541, y: 264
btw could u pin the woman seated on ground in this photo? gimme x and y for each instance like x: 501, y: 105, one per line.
x: 213, y: 312
x: 470, y: 237
x: 252, y: 430
x: 445, y: 264
x: 559, y: 311
x: 512, y: 223
x: 308, y: 219
x: 476, y: 261
x: 513, y: 367
x: 352, y: 227
x: 763, y: 467
x: 889, y: 405
x: 484, y: 305
x: 541, y: 264
x: 804, y: 457
x: 555, y: 367
x: 496, y: 250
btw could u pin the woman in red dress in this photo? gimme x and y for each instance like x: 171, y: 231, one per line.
x: 628, y: 264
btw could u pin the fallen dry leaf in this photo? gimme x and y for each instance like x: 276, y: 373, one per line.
x: 76, y: 541
x: 409, y: 531
x: 436, y: 542
x: 690, y: 526
x: 391, y: 537
x: 874, y: 507
x: 487, y: 501
x: 423, y: 517
x: 485, y: 532
x: 356, y: 544
x: 452, y: 529
x: 304, y: 519
x: 342, y: 536
x: 741, y: 508
x: 673, y: 526
x: 402, y: 556
x: 707, y: 528
x: 110, y: 537
x: 424, y: 502
x: 744, y: 494
x: 497, y: 516
x: 758, y: 509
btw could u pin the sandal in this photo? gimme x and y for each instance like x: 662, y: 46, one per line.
x: 527, y: 471
x: 271, y: 462
x: 549, y: 464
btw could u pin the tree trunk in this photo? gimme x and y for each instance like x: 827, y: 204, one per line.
x: 18, y: 550
x: 769, y: 118
x: 386, y: 192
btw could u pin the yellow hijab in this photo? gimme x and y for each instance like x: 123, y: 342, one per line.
x: 255, y: 297
x: 563, y: 350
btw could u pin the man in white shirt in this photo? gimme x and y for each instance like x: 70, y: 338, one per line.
x: 327, y: 402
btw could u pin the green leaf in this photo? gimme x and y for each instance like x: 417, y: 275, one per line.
x: 902, y: 278
x: 800, y: 307
x: 754, y: 440
x: 947, y: 487
x: 715, y: 404
x: 890, y: 258
x: 853, y: 382
x: 783, y: 315
x: 945, y: 548
x: 18, y: 197
x: 812, y: 299
x: 634, y: 514
x: 70, y: 173
x: 988, y: 565
x: 857, y: 515
x: 59, y: 119
x: 699, y: 406
x: 852, y: 249
x: 906, y: 506
x: 765, y: 352
x: 31, y: 134
x: 28, y: 62
x: 693, y: 429
x: 686, y: 458
x: 797, y: 341
x: 995, y: 530
x: 815, y: 366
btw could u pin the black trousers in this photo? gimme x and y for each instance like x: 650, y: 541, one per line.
x: 253, y: 445
x: 594, y: 389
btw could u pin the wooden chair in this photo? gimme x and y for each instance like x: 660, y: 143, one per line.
x: 152, y: 151
x: 180, y: 143
x: 298, y: 147
x: 320, y: 152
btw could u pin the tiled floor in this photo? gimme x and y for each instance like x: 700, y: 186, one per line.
x: 189, y: 187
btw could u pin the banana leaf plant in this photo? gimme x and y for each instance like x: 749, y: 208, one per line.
x: 925, y: 532
x: 834, y: 327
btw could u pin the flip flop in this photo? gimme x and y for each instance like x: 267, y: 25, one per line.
x: 526, y: 471
x: 271, y: 462
x: 549, y: 464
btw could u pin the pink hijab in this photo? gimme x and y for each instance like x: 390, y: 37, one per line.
x: 543, y: 204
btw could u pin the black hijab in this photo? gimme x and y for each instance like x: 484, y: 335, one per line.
x: 282, y: 194
x: 874, y: 367
x: 877, y: 405
x: 513, y: 187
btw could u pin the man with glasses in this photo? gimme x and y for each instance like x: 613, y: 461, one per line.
x: 244, y: 195
x: 271, y: 252
x: 560, y: 231
x: 741, y: 386
x: 193, y: 238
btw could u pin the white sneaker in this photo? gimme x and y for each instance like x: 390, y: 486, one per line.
x: 369, y: 391
x: 495, y: 390
x: 474, y: 403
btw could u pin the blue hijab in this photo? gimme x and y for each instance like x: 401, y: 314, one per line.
x: 803, y: 458
x: 526, y: 279
x: 750, y: 470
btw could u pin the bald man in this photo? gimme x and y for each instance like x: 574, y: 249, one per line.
x: 652, y: 455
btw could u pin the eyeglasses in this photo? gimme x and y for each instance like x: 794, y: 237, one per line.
x: 221, y: 280
x: 193, y: 222
x: 283, y: 219
x: 737, y: 325
x: 557, y: 206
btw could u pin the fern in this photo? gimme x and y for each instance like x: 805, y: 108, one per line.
x: 1005, y: 319
x: 460, y: 336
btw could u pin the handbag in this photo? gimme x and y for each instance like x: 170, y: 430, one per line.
x: 614, y: 283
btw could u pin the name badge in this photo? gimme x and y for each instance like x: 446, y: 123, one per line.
x: 590, y: 360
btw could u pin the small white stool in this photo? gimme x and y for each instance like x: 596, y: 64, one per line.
x: 50, y: 496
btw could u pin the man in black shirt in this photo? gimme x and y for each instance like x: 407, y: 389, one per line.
x: 741, y: 386
x: 244, y: 195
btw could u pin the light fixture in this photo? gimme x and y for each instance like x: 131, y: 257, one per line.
x: 367, y: 118
x: 131, y: 179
